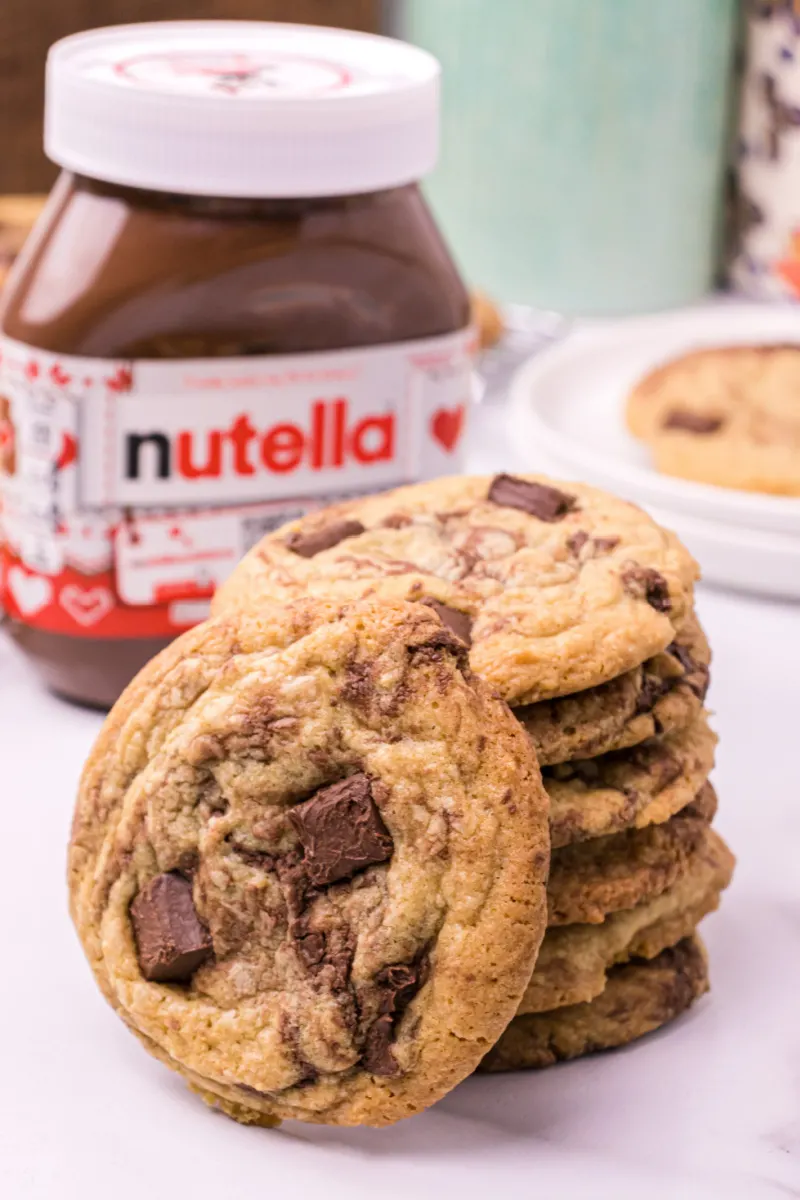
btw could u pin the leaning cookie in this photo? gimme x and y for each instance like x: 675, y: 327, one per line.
x: 555, y: 587
x: 308, y: 862
x: 639, y: 997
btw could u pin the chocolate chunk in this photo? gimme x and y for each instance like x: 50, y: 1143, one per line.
x: 311, y: 948
x: 604, y: 545
x: 647, y: 584
x: 378, y: 1057
x: 546, y: 503
x: 359, y: 686
x: 459, y: 623
x: 577, y: 540
x: 696, y: 675
x: 597, y: 546
x: 652, y: 689
x: 171, y: 941
x: 341, y: 831
x: 316, y: 540
x: 682, y: 418
x: 396, y: 520
x: 397, y: 986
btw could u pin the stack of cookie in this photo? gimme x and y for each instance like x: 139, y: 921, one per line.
x: 578, y: 609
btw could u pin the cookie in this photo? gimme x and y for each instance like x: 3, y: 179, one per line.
x: 629, y: 789
x: 308, y: 861
x: 726, y: 416
x: 589, y: 880
x: 574, y: 960
x: 663, y: 694
x: 487, y: 319
x: 638, y: 997
x: 556, y: 587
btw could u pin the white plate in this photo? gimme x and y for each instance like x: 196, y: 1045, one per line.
x: 568, y: 402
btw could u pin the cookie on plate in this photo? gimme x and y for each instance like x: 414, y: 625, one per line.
x: 629, y: 789
x: 664, y: 694
x: 727, y: 416
x: 308, y: 861
x: 574, y: 960
x: 639, y: 996
x: 556, y: 587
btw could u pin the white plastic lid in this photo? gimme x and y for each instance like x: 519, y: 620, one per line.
x: 242, y: 108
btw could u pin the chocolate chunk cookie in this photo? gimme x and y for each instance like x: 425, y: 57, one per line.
x: 639, y: 996
x: 308, y: 861
x: 726, y: 416
x: 664, y: 694
x: 555, y: 587
x: 589, y: 880
x: 574, y: 960
x: 629, y: 789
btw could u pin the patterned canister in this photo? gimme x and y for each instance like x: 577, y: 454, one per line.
x: 766, y: 261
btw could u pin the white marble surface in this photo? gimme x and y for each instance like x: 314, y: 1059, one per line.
x: 708, y: 1108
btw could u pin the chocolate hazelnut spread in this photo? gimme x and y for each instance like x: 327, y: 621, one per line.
x: 181, y: 371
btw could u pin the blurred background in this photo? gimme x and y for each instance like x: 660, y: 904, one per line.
x: 599, y: 157
x: 29, y: 27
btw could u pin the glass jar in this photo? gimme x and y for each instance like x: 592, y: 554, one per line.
x: 182, y: 372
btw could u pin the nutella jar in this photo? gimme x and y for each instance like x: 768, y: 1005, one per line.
x: 236, y: 307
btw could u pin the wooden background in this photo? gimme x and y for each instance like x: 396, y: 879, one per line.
x: 29, y: 27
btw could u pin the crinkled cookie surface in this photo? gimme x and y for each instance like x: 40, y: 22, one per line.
x: 556, y: 587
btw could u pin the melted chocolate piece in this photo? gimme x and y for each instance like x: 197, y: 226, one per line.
x: 396, y: 520
x: 604, y: 545
x: 577, y: 540
x: 597, y: 546
x: 459, y: 623
x: 171, y: 941
x: 546, y: 503
x: 316, y: 540
x: 652, y: 689
x: 397, y: 986
x: 341, y: 831
x: 682, y: 418
x: 696, y: 675
x: 647, y: 584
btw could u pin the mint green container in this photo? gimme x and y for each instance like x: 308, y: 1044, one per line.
x: 584, y: 145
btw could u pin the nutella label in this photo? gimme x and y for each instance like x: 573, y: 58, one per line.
x: 129, y: 490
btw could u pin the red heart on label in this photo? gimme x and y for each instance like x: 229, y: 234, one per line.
x: 59, y: 375
x: 121, y: 380
x: 87, y: 606
x: 447, y: 426
x: 68, y: 453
